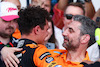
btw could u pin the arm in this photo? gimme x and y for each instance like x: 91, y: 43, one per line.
x: 89, y: 9
x: 97, y: 14
x: 59, y: 12
x: 62, y: 4
x: 7, y: 54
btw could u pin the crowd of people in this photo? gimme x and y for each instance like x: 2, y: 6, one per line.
x: 36, y: 36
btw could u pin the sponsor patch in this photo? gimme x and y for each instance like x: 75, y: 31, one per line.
x: 52, y: 64
x: 58, y: 66
x: 49, y: 59
x: 44, y: 55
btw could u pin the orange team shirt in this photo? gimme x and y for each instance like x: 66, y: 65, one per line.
x: 17, y: 34
x: 58, y: 17
x: 61, y: 57
x: 42, y: 57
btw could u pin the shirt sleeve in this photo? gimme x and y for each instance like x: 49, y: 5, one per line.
x: 1, y: 46
x: 58, y: 15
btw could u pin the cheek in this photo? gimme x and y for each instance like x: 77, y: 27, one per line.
x: 66, y: 22
x: 50, y: 31
x: 48, y: 9
x: 15, y: 25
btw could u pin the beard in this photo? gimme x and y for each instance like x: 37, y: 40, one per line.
x: 10, y: 31
x: 4, y: 35
x: 69, y: 45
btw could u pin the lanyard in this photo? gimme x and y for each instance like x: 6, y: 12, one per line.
x: 8, y: 45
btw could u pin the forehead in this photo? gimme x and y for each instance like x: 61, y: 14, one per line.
x: 74, y: 25
x: 74, y: 10
x: 46, y: 1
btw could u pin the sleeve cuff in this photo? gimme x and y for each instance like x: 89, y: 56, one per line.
x: 1, y: 46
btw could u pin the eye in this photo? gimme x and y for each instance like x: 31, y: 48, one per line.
x: 15, y: 20
x: 71, y: 30
x: 4, y: 20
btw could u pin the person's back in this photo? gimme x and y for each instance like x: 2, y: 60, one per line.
x: 33, y: 24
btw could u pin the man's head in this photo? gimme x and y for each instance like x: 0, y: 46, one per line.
x: 72, y: 9
x: 80, y: 32
x: 16, y: 2
x: 46, y: 4
x: 34, y: 21
x: 8, y: 16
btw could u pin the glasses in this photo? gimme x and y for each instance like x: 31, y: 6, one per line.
x: 68, y: 16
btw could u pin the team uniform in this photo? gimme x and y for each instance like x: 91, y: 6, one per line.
x: 61, y: 56
x: 13, y: 43
x: 34, y: 54
x: 17, y: 34
x: 37, y: 55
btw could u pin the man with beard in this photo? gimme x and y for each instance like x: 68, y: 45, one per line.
x: 78, y: 36
x: 8, y: 24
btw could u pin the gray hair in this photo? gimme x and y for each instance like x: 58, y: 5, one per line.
x: 88, y: 26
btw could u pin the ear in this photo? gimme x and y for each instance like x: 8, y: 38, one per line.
x: 85, y: 38
x: 37, y: 29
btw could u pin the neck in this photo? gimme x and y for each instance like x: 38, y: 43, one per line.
x: 76, y: 56
x: 5, y: 40
x: 28, y: 37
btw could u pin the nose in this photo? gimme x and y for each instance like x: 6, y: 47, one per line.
x: 65, y: 33
x: 42, y: 5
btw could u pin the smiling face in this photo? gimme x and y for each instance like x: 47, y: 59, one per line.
x: 72, y: 36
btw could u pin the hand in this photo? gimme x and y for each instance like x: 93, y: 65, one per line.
x: 7, y: 54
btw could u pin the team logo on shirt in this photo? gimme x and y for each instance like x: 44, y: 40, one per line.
x: 52, y: 64
x: 58, y: 66
x: 44, y: 55
x: 49, y: 59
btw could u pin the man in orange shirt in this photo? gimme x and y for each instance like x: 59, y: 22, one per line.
x: 33, y: 24
x: 78, y: 36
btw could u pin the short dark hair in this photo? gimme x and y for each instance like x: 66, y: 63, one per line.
x: 88, y: 26
x: 77, y: 5
x: 30, y: 17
